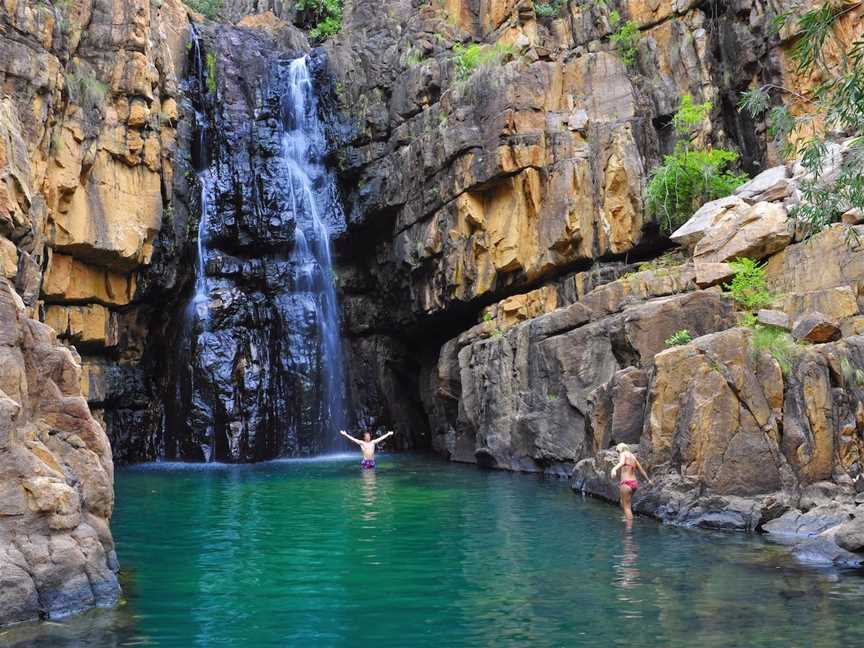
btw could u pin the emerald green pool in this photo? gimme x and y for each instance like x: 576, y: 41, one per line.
x: 421, y: 552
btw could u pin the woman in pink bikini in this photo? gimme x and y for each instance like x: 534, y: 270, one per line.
x: 628, y: 463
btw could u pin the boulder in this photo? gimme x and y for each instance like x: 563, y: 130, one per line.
x: 708, y: 216
x: 795, y: 524
x: 616, y: 409
x: 522, y: 395
x: 713, y: 413
x: 852, y: 216
x: 775, y: 318
x: 711, y: 274
x: 756, y: 232
x: 771, y: 185
x: 850, y: 535
x: 803, y: 268
x: 816, y: 328
x: 8, y: 259
x: 823, y: 551
x: 835, y: 303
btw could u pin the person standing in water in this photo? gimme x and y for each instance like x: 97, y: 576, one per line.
x: 628, y: 464
x: 367, y: 446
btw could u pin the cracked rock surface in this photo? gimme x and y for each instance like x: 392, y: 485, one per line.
x: 56, y: 477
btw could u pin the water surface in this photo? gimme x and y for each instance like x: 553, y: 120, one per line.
x: 421, y: 552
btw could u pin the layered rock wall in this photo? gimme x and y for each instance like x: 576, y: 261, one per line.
x: 466, y: 185
x: 56, y: 477
x: 91, y: 228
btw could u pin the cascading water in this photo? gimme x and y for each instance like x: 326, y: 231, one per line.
x: 303, y: 146
x: 265, y: 370
x: 200, y: 298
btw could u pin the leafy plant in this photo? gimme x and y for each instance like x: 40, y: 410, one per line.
x: 689, y: 115
x: 678, y: 338
x: 414, y: 58
x: 836, y: 105
x: 211, y: 72
x: 549, y: 8
x: 85, y: 89
x: 487, y: 317
x: 688, y: 178
x: 207, y: 8
x: 469, y: 59
x: 777, y: 342
x: 325, y: 16
x: 625, y: 37
x: 749, y: 287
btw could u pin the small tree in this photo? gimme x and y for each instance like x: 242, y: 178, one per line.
x: 689, y: 177
x: 836, y: 105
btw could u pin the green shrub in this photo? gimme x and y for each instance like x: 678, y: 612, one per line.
x: 85, y: 89
x: 414, y: 58
x: 678, y: 338
x: 688, y: 178
x: 325, y: 16
x: 625, y: 37
x: 777, y: 342
x: 211, y: 72
x: 748, y: 287
x: 836, y: 105
x: 471, y: 58
x: 549, y: 8
x: 207, y: 8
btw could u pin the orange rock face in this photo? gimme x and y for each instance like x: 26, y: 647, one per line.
x: 56, y: 477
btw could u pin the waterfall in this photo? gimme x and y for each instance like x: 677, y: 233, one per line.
x: 303, y: 146
x: 261, y: 363
x: 201, y: 297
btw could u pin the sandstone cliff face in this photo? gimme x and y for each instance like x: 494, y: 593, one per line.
x: 56, y: 477
x: 90, y: 237
x: 534, y: 163
x: 90, y: 227
x: 468, y: 186
x: 504, y: 204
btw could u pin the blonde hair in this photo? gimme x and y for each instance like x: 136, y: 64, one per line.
x: 622, y: 447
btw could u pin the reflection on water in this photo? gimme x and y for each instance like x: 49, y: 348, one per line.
x: 424, y: 553
x: 627, y: 565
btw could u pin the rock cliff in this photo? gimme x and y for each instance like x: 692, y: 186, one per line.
x: 501, y: 207
x: 56, y: 477
x: 506, y: 298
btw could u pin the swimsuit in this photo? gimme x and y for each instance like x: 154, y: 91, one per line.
x: 632, y: 484
x: 367, y: 463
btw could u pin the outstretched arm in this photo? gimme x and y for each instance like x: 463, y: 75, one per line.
x: 349, y: 437
x: 642, y: 470
x: 616, y: 468
x: 383, y: 436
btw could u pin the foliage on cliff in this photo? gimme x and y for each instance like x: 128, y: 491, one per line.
x: 837, y: 106
x: 749, y: 287
x: 471, y: 58
x: 325, y: 17
x: 625, y: 37
x: 689, y: 177
x: 208, y: 8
